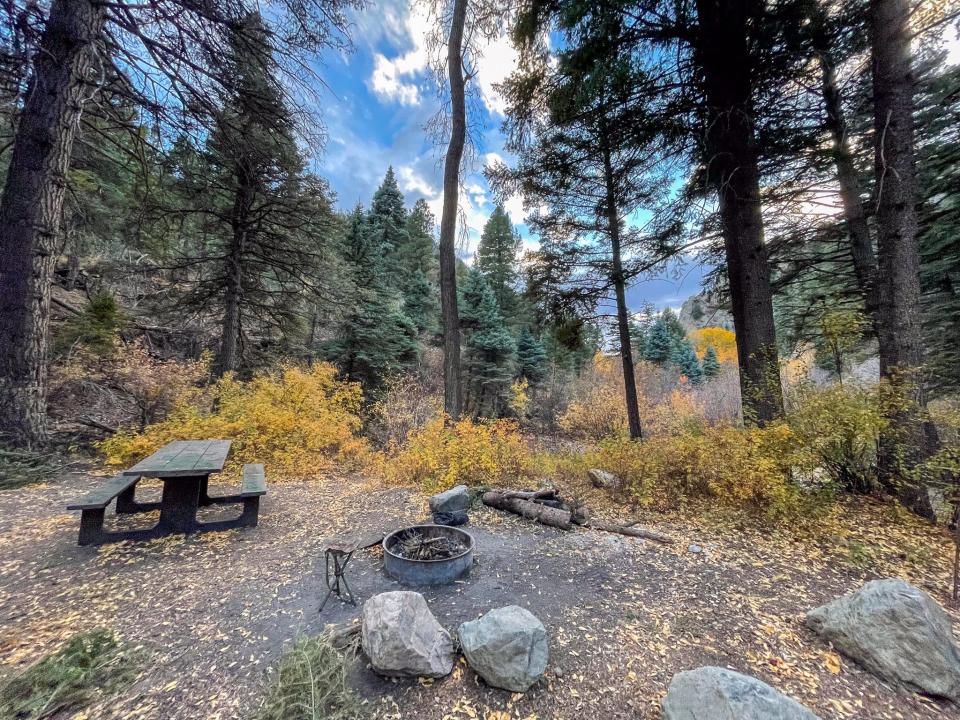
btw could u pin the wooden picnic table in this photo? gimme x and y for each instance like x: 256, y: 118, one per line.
x: 185, y: 467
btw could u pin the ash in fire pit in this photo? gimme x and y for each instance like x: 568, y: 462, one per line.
x: 427, y: 554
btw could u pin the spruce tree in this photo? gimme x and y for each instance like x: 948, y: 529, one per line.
x: 490, y: 349
x: 659, y: 342
x: 685, y: 358
x: 496, y: 258
x: 710, y: 365
x: 374, y: 339
x: 388, y: 224
x: 417, y: 261
x: 531, y: 357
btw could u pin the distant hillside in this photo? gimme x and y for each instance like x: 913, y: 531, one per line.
x: 703, y: 310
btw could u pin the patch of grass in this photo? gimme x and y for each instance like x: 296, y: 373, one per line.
x: 310, y: 683
x: 89, y: 664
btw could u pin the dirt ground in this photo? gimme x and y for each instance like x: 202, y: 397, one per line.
x: 211, y: 612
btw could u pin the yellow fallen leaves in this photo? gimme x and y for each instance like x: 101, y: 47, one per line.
x: 831, y: 661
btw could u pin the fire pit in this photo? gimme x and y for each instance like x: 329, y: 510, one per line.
x: 427, y: 554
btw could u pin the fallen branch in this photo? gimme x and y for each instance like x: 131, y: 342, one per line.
x: 542, y: 494
x: 90, y: 422
x: 554, y: 517
x: 629, y: 530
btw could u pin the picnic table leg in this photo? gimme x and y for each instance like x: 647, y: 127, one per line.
x: 91, y: 527
x: 178, y: 507
x: 205, y: 498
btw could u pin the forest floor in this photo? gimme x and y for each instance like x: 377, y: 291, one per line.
x: 211, y: 612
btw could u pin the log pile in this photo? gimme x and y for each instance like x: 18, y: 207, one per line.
x: 546, y: 507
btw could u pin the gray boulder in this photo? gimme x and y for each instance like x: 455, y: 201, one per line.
x: 896, y: 631
x: 402, y: 637
x: 507, y: 647
x: 453, y: 500
x: 715, y: 693
x: 603, y: 479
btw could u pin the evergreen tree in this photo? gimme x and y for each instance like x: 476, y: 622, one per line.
x: 659, y: 342
x: 488, y: 360
x: 374, y: 339
x: 711, y: 366
x: 388, y: 224
x: 417, y: 261
x: 496, y: 258
x: 685, y: 358
x: 531, y: 357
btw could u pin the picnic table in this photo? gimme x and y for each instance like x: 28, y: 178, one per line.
x: 184, y: 467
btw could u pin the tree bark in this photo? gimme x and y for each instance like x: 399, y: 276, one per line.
x: 452, y: 389
x: 623, y: 313
x: 31, y: 210
x: 731, y: 157
x: 861, y: 242
x: 554, y: 517
x: 909, y: 439
x: 233, y: 296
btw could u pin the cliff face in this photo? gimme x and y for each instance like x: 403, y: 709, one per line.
x: 704, y: 310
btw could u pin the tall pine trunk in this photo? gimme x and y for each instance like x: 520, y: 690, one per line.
x: 233, y: 292
x: 909, y: 439
x: 623, y: 317
x: 858, y: 231
x: 452, y: 390
x: 731, y: 155
x: 31, y: 210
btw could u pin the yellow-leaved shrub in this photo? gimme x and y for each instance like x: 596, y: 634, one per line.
x: 443, y: 454
x: 296, y: 421
x: 737, y: 468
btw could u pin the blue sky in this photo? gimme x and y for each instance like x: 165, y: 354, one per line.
x: 380, y: 98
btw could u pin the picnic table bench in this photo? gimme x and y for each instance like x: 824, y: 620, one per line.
x: 185, y: 467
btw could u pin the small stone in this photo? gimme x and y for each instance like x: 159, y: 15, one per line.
x: 558, y: 673
x: 453, y: 500
x: 694, y: 548
x: 715, y: 693
x: 402, y: 637
x: 897, y: 632
x: 507, y: 647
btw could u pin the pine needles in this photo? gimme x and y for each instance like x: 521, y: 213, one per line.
x: 89, y: 664
x: 310, y: 683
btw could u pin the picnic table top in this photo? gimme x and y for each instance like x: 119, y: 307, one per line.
x: 183, y: 458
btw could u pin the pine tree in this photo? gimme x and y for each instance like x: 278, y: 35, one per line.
x: 685, y: 358
x: 531, y: 357
x: 417, y: 261
x: 659, y: 342
x: 496, y: 258
x: 374, y: 339
x: 710, y: 365
x: 388, y: 224
x: 488, y: 360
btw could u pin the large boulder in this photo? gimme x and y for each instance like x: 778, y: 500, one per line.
x: 453, y: 500
x: 402, y: 637
x: 715, y: 693
x: 507, y: 647
x: 603, y: 479
x: 896, y: 631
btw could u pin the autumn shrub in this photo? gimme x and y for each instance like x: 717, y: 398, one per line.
x: 597, y: 409
x: 840, y: 426
x: 407, y: 402
x: 295, y: 420
x: 126, y: 386
x: 443, y: 454
x: 743, y: 468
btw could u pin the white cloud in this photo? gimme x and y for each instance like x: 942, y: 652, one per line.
x: 498, y: 60
x: 411, y: 181
x: 397, y: 78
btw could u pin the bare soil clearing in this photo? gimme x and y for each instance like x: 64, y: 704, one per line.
x: 214, y: 611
